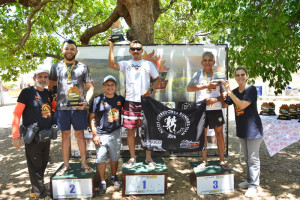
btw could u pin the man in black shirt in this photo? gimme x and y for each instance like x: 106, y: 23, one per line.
x: 34, y: 105
x: 105, y: 123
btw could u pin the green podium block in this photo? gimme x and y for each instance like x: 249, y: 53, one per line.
x: 213, y: 179
x: 140, y: 179
x: 74, y: 183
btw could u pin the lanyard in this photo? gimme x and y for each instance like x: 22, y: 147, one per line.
x: 206, y: 76
x: 69, y: 72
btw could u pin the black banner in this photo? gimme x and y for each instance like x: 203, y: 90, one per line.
x: 174, y: 130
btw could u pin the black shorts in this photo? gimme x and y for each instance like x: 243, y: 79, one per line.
x: 214, y: 119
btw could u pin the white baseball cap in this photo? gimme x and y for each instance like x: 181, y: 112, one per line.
x: 109, y: 78
x: 41, y: 70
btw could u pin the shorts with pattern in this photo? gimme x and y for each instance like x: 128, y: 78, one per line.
x: 131, y: 114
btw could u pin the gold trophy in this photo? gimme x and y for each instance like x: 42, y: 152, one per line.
x: 293, y: 111
x: 264, y: 108
x: 219, y: 74
x: 74, y: 96
x: 271, y: 108
x: 284, y: 112
x: 298, y: 110
x: 116, y: 33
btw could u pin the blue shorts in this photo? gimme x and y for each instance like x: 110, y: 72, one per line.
x: 110, y: 146
x: 77, y: 118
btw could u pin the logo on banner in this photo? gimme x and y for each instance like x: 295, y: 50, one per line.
x: 172, y: 123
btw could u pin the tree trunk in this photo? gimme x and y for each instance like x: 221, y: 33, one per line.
x: 142, y: 20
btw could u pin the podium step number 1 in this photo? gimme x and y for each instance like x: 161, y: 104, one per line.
x: 145, y: 184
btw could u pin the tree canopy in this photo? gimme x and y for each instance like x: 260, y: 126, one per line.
x: 262, y: 35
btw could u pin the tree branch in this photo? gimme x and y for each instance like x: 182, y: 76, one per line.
x: 69, y: 13
x: 26, y: 3
x: 30, y: 23
x: 58, y: 57
x: 90, y: 32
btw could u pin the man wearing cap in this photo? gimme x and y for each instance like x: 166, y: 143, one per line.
x: 105, y: 123
x: 137, y: 76
x: 70, y: 77
x: 34, y: 105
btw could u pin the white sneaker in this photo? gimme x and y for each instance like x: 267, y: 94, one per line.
x: 243, y: 185
x: 251, y: 192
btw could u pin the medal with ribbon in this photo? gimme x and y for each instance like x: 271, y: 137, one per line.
x: 208, y: 90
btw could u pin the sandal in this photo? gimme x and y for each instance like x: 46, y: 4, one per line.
x: 150, y: 163
x: 224, y: 165
x: 130, y: 163
x: 202, y: 166
x: 87, y: 170
x: 63, y: 170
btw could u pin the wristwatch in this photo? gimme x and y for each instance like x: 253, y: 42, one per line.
x: 151, y: 89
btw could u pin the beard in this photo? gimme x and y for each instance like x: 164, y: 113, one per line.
x: 42, y: 84
x: 69, y: 58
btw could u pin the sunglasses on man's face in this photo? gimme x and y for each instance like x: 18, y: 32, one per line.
x: 135, y: 48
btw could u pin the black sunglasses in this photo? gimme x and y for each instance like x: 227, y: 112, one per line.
x: 135, y: 48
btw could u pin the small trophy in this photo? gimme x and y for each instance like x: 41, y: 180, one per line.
x: 116, y: 33
x: 74, y: 96
x: 284, y: 112
x: 265, y: 108
x: 293, y: 111
x: 219, y: 75
x: 271, y: 108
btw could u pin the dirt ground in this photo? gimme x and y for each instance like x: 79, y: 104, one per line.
x: 280, y: 174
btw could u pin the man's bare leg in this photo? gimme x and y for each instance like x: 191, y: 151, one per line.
x: 220, y: 142
x: 131, y: 142
x: 82, y: 147
x: 204, y: 153
x: 114, y: 167
x: 101, y: 169
x: 65, y: 147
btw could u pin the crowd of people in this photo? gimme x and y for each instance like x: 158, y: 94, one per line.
x: 65, y: 103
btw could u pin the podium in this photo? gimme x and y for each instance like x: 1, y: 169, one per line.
x: 74, y: 183
x: 140, y: 179
x: 213, y: 179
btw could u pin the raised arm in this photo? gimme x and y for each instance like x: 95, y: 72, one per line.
x: 111, y: 58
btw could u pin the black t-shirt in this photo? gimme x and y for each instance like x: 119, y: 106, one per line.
x: 248, y: 122
x: 37, y: 107
x: 107, y: 113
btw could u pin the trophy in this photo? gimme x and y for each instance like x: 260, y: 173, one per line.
x: 271, y: 108
x: 284, y: 112
x: 293, y: 111
x: 265, y: 108
x: 74, y: 96
x: 116, y: 35
x: 298, y: 110
x: 219, y: 75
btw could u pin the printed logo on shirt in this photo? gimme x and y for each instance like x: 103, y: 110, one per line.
x: 113, y: 115
x: 119, y: 103
x: 46, y: 110
x: 36, y: 98
x: 238, y: 111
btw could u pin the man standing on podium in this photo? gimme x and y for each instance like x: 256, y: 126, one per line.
x: 70, y: 77
x: 202, y: 83
x: 137, y: 76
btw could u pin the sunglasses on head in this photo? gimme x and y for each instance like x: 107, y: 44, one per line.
x: 135, y: 48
